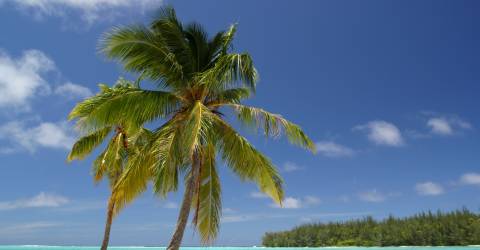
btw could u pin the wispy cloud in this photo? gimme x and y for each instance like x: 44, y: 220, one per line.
x: 300, y: 216
x: 23, y: 228
x: 71, y: 91
x: 170, y: 205
x: 470, y: 179
x: 46, y: 134
x: 39, y: 201
x: 382, y: 133
x: 332, y: 149
x: 375, y: 196
x: 227, y: 210
x: 258, y: 195
x: 344, y: 198
x: 447, y: 125
x: 89, y: 10
x: 311, y: 200
x: 291, y: 167
x: 296, y: 203
x: 429, y: 188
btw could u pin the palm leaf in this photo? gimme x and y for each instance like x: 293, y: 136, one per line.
x: 273, y: 125
x: 207, y: 202
x: 123, y: 104
x: 86, y: 144
x: 143, y: 51
x: 229, y: 70
x: 229, y: 96
x: 247, y: 162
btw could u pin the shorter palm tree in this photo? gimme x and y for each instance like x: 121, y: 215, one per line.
x: 112, y: 161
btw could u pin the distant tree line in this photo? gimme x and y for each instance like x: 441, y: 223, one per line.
x: 460, y: 227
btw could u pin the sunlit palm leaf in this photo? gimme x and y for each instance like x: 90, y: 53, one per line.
x: 144, y: 51
x: 273, y: 125
x: 123, y: 105
x: 86, y: 144
x: 247, y: 162
x: 207, y: 202
x: 229, y: 96
x: 229, y: 70
x: 136, y: 173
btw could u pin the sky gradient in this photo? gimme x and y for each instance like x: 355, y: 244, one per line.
x: 389, y: 91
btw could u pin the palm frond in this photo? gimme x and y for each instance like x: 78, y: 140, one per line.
x: 207, y: 202
x: 142, y: 51
x: 110, y: 162
x: 229, y: 70
x: 198, y: 42
x: 228, y: 38
x: 247, y: 162
x: 86, y: 144
x: 123, y: 104
x: 167, y: 26
x: 273, y: 125
x: 134, y: 179
x: 166, y: 162
x: 229, y: 96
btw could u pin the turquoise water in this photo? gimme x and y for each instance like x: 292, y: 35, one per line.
x: 29, y: 247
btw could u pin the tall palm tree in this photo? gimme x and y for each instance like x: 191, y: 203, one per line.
x: 111, y: 162
x: 198, y: 78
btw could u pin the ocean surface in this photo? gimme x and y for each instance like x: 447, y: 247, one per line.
x: 38, y: 247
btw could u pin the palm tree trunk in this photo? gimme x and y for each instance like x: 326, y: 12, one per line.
x: 108, y: 225
x: 184, y: 211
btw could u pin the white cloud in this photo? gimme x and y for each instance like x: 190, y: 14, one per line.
x: 470, y: 179
x: 447, y: 125
x: 332, y: 149
x: 71, y: 90
x: 372, y: 196
x: 295, y: 203
x: 39, y: 201
x: 46, y: 134
x: 429, y: 189
x: 89, y: 10
x: 291, y: 167
x: 258, y: 195
x: 291, y: 203
x: 22, y: 78
x: 382, y: 133
x: 440, y: 126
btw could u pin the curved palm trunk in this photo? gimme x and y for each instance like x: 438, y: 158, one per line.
x: 108, y: 225
x: 184, y: 212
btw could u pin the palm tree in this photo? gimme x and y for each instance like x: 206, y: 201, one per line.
x: 198, y: 79
x: 112, y: 161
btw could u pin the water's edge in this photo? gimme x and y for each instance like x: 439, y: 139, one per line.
x: 41, y: 247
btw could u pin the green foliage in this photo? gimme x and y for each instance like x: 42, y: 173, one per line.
x: 461, y: 227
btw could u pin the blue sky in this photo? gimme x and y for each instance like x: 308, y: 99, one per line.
x: 388, y: 90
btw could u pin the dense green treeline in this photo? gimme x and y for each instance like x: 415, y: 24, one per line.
x: 461, y: 227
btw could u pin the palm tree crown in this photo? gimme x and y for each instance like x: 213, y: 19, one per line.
x: 197, y: 76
